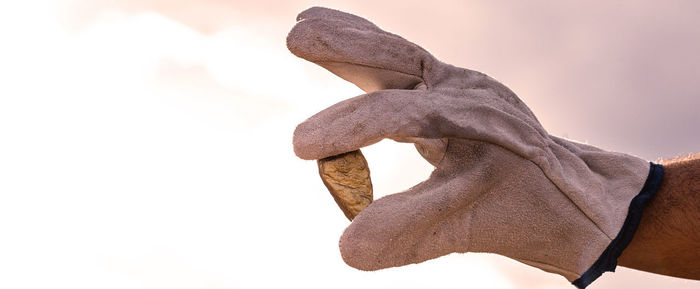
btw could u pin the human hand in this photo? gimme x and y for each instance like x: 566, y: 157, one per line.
x: 501, y: 184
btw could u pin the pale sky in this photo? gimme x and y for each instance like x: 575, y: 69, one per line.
x: 147, y: 144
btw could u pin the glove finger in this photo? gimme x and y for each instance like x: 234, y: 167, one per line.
x: 405, y: 228
x: 430, y: 220
x: 400, y: 114
x: 357, y: 50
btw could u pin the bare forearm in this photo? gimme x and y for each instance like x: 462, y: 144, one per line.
x: 668, y: 238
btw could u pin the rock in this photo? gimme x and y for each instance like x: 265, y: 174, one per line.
x: 347, y: 178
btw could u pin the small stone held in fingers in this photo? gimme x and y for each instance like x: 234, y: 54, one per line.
x: 347, y: 178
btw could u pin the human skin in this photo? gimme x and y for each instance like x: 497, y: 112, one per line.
x: 667, y: 241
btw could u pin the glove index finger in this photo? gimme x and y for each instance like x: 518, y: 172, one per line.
x: 367, y: 119
x: 358, y: 122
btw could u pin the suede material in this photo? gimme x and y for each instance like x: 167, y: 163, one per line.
x: 502, y: 184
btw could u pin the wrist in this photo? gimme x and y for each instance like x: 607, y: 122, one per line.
x: 668, y: 237
x: 608, y: 260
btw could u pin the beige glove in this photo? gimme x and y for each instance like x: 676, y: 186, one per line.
x: 501, y: 184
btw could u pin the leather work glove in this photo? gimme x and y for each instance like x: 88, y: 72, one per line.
x: 501, y: 183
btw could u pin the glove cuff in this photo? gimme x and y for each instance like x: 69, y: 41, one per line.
x: 608, y: 259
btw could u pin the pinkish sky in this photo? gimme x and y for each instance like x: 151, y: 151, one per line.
x: 147, y: 144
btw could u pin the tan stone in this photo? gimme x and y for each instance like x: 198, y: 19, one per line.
x: 347, y: 178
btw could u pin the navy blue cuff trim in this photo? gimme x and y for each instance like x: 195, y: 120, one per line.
x: 608, y: 259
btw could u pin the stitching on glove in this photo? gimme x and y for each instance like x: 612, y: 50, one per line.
x: 578, y: 206
x: 371, y: 66
x: 548, y: 267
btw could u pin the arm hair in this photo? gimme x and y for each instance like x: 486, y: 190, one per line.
x: 668, y: 238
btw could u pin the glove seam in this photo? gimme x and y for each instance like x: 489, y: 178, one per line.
x: 422, y: 73
x: 561, y: 191
x: 370, y: 66
x: 524, y: 260
x: 447, y: 146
